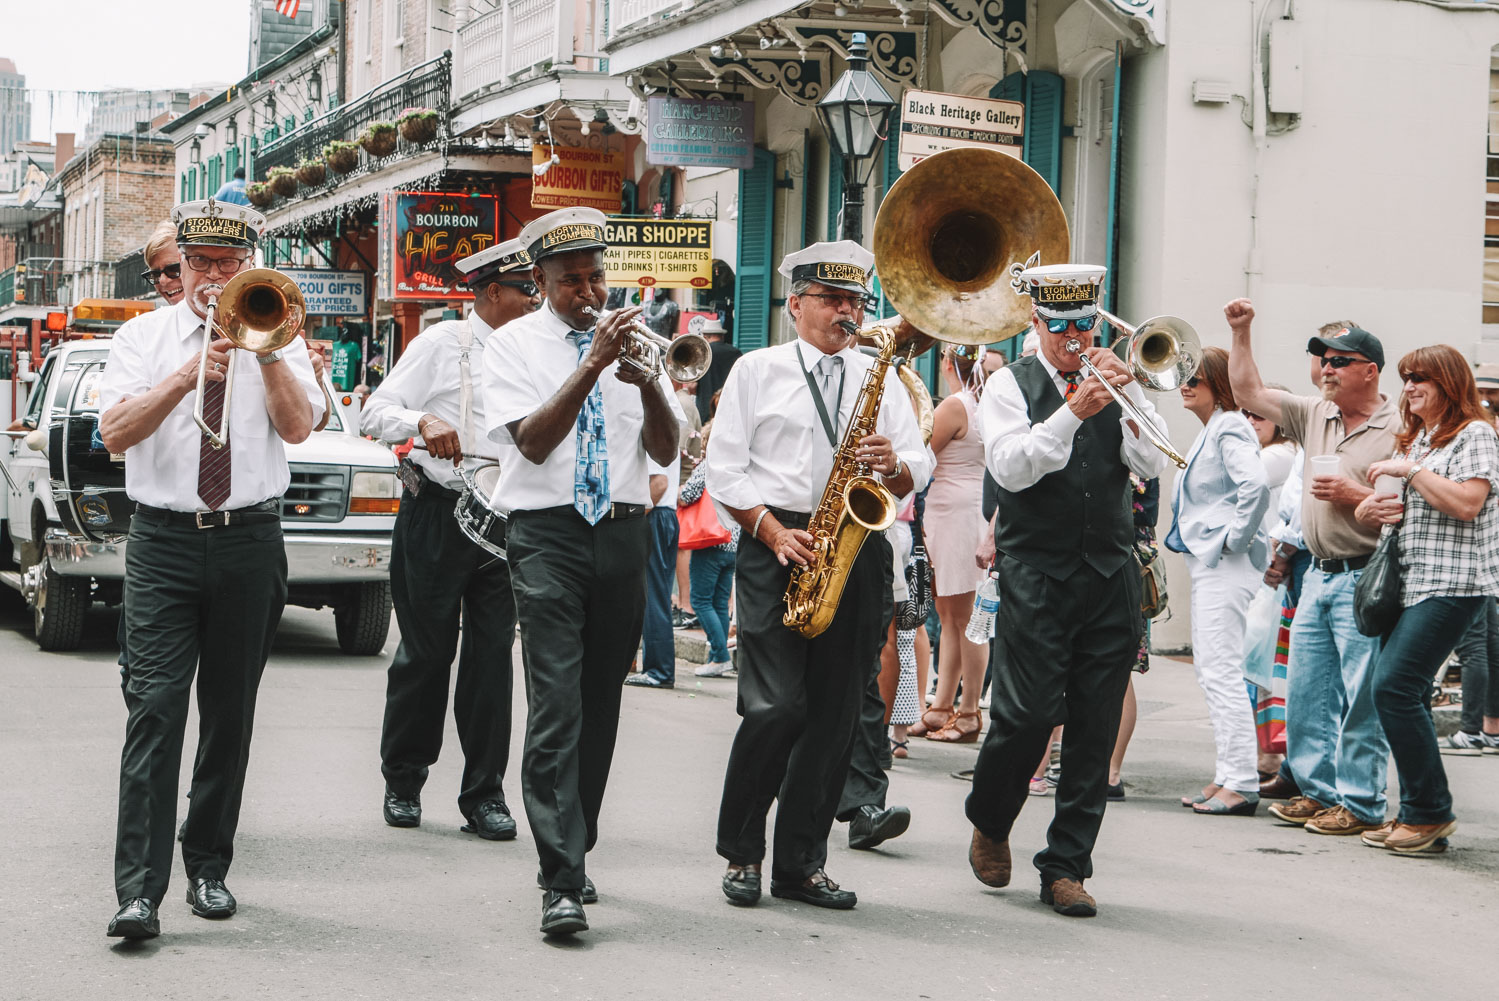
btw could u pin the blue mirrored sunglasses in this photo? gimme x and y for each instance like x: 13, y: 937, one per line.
x: 1082, y: 323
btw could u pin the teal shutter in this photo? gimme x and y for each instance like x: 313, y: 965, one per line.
x: 757, y: 188
x: 835, y: 192
x: 231, y: 161
x: 1041, y: 92
x: 892, y: 150
x: 1113, y: 231
x: 805, y: 236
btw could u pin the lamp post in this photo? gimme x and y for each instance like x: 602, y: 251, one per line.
x: 855, y: 114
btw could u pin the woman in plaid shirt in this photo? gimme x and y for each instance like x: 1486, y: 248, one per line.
x: 1447, y: 454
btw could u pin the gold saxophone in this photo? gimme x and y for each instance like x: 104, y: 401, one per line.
x: 853, y: 505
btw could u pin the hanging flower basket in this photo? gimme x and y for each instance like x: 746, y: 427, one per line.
x: 260, y: 195
x: 418, y: 125
x: 283, y: 182
x: 379, y: 139
x: 311, y: 172
x: 342, y: 157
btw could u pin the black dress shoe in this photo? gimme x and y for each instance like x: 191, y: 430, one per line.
x: 490, y: 820
x: 136, y: 919
x: 1279, y: 787
x: 402, y: 812
x: 741, y: 884
x: 817, y: 890
x: 872, y: 826
x: 211, y: 898
x: 562, y: 913
x: 590, y: 895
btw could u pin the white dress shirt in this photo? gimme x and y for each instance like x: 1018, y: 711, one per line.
x: 673, y: 474
x: 1018, y: 453
x: 162, y: 470
x: 427, y: 380
x: 525, y: 363
x: 768, y: 440
x: 1287, y: 527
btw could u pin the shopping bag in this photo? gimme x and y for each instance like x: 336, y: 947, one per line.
x: 698, y: 526
x: 1260, y: 625
x: 1270, y: 702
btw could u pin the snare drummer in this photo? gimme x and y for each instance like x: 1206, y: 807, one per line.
x: 436, y: 572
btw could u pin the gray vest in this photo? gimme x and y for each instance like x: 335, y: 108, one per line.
x: 1079, y: 514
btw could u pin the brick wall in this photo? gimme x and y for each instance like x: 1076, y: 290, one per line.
x: 136, y: 185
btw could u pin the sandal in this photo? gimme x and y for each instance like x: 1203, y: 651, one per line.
x: 1190, y: 802
x: 898, y: 748
x: 923, y: 728
x: 953, y: 732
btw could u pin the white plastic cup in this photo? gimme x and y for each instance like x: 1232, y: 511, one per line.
x: 1387, y: 484
x: 1326, y: 465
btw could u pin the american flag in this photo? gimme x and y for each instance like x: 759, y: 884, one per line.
x: 288, y: 7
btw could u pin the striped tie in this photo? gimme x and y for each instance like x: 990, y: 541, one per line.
x: 214, y: 464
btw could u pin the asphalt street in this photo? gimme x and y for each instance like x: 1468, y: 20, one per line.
x: 335, y: 904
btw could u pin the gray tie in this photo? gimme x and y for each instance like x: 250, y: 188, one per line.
x: 828, y: 370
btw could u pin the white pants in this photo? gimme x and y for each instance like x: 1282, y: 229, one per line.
x: 1220, y: 599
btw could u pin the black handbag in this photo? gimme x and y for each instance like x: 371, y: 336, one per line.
x: 1376, y: 596
x: 912, y: 613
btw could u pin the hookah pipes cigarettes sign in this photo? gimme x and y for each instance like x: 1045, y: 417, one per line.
x: 429, y: 232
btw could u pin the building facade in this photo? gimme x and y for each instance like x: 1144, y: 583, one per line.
x: 15, y: 107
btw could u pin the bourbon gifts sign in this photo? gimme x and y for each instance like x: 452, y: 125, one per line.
x: 425, y: 234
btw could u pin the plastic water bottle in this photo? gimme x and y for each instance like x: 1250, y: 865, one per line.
x: 985, y: 607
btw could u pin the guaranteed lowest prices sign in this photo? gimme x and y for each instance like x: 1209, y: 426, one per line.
x: 660, y: 253
x: 331, y: 293
x: 931, y: 123
x: 587, y: 177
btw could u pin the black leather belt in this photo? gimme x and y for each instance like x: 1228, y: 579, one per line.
x: 616, y: 512
x: 255, y: 514
x: 1340, y: 566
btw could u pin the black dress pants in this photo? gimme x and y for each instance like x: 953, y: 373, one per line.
x: 204, y: 601
x: 1063, y: 654
x: 439, y: 577
x: 799, y: 700
x: 580, y: 597
x: 867, y: 782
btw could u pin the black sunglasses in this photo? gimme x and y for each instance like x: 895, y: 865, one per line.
x: 1251, y: 415
x: 1415, y: 377
x: 527, y: 288
x: 1192, y: 382
x: 1343, y: 361
x: 172, y: 271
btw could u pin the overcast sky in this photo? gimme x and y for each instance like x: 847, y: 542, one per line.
x: 83, y: 45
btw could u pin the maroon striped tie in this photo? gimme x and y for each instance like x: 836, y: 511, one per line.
x: 213, y: 463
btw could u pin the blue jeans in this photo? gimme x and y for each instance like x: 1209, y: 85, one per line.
x: 1422, y: 638
x: 711, y: 574
x: 1334, y: 743
x: 659, y: 654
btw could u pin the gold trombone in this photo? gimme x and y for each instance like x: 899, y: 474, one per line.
x: 259, y: 310
x: 685, y: 358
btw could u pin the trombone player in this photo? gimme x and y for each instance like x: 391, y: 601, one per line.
x: 1068, y: 628
x: 205, y: 570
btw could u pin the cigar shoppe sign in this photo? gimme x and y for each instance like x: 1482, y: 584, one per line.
x: 659, y: 253
x: 425, y: 234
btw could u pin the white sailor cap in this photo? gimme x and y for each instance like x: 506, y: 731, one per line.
x: 705, y: 325
x: 1487, y: 375
x: 495, y: 260
x: 1062, y: 291
x: 215, y: 223
x: 843, y: 264
x: 564, y: 231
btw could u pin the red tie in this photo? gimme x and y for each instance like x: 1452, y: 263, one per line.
x: 1074, y: 379
x: 213, y: 463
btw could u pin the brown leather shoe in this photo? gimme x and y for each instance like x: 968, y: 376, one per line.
x: 1298, y: 811
x: 1419, y: 839
x: 990, y: 859
x: 1067, y: 897
x: 1279, y: 787
x: 1340, y: 821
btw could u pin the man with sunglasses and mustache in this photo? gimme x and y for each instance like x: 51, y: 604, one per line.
x: 1069, y: 624
x: 439, y: 577
x: 1335, y: 746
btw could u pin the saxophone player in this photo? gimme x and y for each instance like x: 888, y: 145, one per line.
x: 782, y: 416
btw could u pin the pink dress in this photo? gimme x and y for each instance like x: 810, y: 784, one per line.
x: 954, y: 514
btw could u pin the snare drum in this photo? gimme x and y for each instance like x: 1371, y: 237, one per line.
x: 476, y: 519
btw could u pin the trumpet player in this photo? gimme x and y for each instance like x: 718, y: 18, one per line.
x: 781, y: 419
x: 1068, y: 628
x: 574, y: 423
x: 439, y: 577
x: 205, y: 569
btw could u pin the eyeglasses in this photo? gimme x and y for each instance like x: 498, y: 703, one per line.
x: 1343, y: 361
x: 172, y: 271
x: 854, y: 302
x: 527, y: 289
x: 1082, y: 323
x: 1192, y: 382
x: 224, y: 265
x: 1251, y: 415
x: 1413, y: 377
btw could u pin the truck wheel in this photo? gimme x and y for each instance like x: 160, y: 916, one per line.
x: 362, y: 617
x: 59, y: 607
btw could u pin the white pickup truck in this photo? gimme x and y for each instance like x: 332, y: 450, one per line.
x: 65, y: 513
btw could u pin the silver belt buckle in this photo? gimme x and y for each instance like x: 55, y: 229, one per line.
x: 223, y: 515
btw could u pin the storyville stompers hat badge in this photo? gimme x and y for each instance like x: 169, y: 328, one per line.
x: 564, y: 231
x: 1060, y: 291
x: 841, y: 264
x: 215, y: 223
x: 495, y: 260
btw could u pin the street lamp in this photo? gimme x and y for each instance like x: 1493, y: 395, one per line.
x: 195, y: 153
x: 231, y: 130
x: 315, y: 87
x: 854, y: 114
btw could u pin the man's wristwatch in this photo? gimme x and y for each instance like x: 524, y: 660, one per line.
x: 270, y: 357
x: 1412, y: 474
x: 896, y: 471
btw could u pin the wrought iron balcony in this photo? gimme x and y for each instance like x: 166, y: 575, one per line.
x: 55, y: 281
x: 426, y: 86
x: 128, y: 281
x: 518, y: 35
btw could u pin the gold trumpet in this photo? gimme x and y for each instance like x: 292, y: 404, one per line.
x: 259, y: 310
x: 685, y: 358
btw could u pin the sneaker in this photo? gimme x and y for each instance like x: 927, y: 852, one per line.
x: 1339, y: 821
x: 1465, y: 744
x: 1054, y: 766
x: 1490, y: 742
x: 1038, y: 787
x: 1297, y: 811
x: 643, y: 680
x: 714, y: 670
